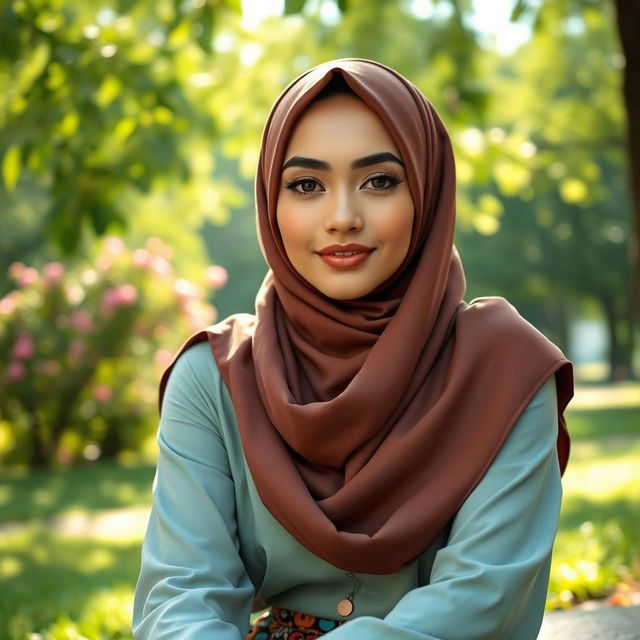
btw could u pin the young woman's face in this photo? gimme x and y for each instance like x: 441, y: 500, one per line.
x: 344, y: 209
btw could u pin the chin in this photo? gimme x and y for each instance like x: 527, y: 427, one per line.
x: 344, y: 293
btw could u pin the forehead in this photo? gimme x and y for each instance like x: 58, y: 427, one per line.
x: 340, y: 124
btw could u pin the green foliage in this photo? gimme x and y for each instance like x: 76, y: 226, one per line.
x: 598, y: 543
x: 96, y: 100
x: 82, y: 349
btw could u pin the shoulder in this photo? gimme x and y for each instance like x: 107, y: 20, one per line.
x: 535, y: 432
x: 192, y: 383
x: 493, y: 315
x: 196, y: 359
x: 493, y: 331
x: 193, y: 365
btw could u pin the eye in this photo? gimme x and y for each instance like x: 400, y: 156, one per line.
x: 382, y: 181
x: 303, y: 186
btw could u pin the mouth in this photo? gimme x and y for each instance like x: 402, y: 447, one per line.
x: 346, y: 256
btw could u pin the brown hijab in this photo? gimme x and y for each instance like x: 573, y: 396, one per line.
x: 366, y: 423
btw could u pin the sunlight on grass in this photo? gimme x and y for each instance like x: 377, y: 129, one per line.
x: 66, y: 588
x: 611, y: 476
x: 621, y: 394
x: 10, y: 566
x: 95, y: 487
x: 598, y: 543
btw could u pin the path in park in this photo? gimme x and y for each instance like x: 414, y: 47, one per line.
x: 601, y: 623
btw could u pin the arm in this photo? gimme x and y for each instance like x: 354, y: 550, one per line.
x: 490, y: 581
x: 192, y: 583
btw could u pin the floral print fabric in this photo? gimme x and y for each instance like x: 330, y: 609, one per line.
x: 284, y: 624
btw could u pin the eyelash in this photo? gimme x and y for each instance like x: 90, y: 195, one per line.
x: 294, y: 183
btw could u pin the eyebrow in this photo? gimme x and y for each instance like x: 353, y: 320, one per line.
x: 321, y: 165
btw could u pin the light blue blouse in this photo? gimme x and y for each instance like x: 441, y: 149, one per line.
x: 212, y: 548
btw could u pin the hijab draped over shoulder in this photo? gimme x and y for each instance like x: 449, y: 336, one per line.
x: 366, y: 423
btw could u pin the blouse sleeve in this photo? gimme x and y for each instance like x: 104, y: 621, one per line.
x: 192, y: 583
x: 490, y: 580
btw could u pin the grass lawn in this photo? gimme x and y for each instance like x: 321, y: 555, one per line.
x: 93, y: 487
x: 598, y: 542
x: 64, y: 587
x: 76, y: 587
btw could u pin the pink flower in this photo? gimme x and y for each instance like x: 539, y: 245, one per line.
x: 8, y: 304
x: 198, y: 315
x: 23, y: 348
x: 127, y: 294
x: 108, y: 302
x: 82, y: 321
x: 104, y: 262
x: 53, y: 272
x: 114, y: 245
x: 123, y: 295
x: 101, y: 393
x: 76, y: 350
x: 158, y: 247
x: 160, y: 266
x: 186, y: 290
x: 142, y: 258
x: 16, y: 269
x: 15, y: 371
x: 49, y: 368
x: 28, y: 276
x: 216, y: 276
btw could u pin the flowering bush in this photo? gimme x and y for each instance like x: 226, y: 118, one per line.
x: 81, y: 351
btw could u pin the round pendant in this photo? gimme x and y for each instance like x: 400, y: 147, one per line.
x: 345, y: 607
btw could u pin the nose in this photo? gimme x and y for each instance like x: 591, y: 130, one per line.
x: 343, y: 214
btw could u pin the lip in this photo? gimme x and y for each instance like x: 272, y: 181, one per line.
x: 333, y: 255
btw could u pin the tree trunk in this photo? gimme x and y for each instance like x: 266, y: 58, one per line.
x: 40, y: 454
x: 619, y: 341
x: 628, y: 14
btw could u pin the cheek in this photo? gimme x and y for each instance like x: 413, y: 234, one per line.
x: 294, y: 228
x: 397, y: 225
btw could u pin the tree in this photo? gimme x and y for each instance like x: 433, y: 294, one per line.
x: 97, y: 100
x: 562, y: 220
x: 628, y: 14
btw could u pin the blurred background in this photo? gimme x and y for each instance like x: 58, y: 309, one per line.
x: 129, y: 134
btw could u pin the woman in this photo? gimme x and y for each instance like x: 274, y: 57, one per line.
x: 368, y: 456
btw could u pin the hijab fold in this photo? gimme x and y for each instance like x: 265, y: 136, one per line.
x: 366, y: 423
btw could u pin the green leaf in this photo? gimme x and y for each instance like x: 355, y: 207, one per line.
x: 206, y: 21
x: 574, y: 191
x: 236, y: 5
x: 518, y: 9
x: 69, y: 124
x: 343, y: 5
x: 180, y: 35
x: 293, y: 6
x: 65, y: 223
x: 11, y: 167
x: 100, y: 215
x: 33, y: 67
x: 110, y: 88
x: 124, y: 128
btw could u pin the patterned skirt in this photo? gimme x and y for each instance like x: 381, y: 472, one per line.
x: 284, y: 624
